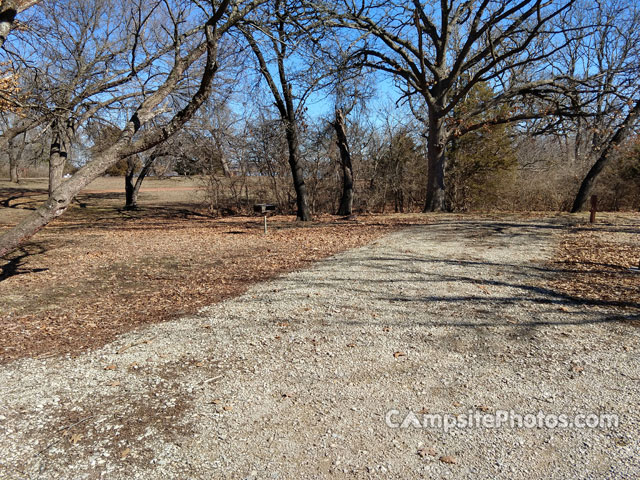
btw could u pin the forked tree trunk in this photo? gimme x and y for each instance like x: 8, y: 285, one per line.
x: 133, y: 188
x: 436, y: 164
x: 604, y: 157
x: 346, y: 200
x: 285, y: 104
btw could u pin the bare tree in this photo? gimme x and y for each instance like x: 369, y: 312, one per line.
x: 438, y: 51
x: 86, y: 63
x: 619, y: 136
x: 605, y: 100
x: 278, y: 46
x: 213, y: 22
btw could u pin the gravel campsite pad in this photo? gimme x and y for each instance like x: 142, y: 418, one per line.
x: 312, y: 374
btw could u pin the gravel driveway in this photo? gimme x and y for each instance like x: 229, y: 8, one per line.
x: 313, y: 374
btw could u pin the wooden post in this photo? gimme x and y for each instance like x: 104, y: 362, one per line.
x: 594, y: 208
x: 265, y: 224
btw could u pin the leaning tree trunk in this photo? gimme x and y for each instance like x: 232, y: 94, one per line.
x: 605, y: 155
x: 132, y: 189
x: 302, y: 203
x: 58, y: 201
x: 126, y: 144
x: 346, y: 200
x: 436, y: 163
x: 58, y: 154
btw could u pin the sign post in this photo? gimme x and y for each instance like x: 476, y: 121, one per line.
x: 264, y: 208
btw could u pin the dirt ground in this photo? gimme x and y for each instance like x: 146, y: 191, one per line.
x: 99, y: 271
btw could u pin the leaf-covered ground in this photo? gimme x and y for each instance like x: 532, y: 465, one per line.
x: 87, y: 278
x: 598, y: 264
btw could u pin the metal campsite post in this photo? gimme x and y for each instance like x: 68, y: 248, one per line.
x: 263, y: 209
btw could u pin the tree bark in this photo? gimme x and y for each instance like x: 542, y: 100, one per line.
x: 346, y: 200
x: 618, y: 137
x: 303, y: 213
x: 8, y: 11
x: 13, y: 173
x: 436, y: 164
x: 14, y: 161
x: 58, y: 155
x: 132, y: 189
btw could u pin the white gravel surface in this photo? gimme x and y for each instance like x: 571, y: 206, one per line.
x: 294, y: 379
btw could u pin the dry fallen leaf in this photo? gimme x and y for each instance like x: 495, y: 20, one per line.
x: 448, y: 459
x: 399, y: 354
x: 115, y: 383
x: 125, y: 453
x: 483, y: 408
x: 423, y: 411
x: 351, y: 345
x: 456, y: 404
x: 75, y: 438
x: 227, y: 408
x: 110, y: 367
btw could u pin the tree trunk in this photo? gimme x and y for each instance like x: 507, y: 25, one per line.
x: 346, y: 200
x: 58, y: 154
x: 436, y: 164
x: 303, y: 212
x: 14, y: 160
x: 58, y: 201
x: 605, y: 155
x: 132, y: 189
x: 13, y: 173
x: 131, y: 200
